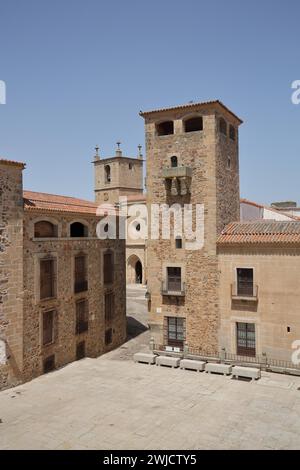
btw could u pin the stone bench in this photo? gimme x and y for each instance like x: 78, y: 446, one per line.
x: 144, y: 357
x: 167, y: 361
x: 248, y: 372
x: 192, y: 365
x: 224, y: 369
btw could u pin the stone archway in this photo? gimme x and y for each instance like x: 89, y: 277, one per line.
x: 134, y: 270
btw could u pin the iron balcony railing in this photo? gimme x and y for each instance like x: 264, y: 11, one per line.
x: 173, y: 287
x: 244, y: 290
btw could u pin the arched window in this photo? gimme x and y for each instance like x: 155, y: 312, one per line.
x: 232, y: 132
x: 165, y: 128
x: 174, y: 161
x: 193, y: 124
x: 77, y: 229
x: 223, y: 126
x: 107, y: 174
x: 45, y: 229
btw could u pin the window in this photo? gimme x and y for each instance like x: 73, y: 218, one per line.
x: 232, y: 132
x: 108, y: 268
x: 81, y: 283
x: 81, y: 317
x: 45, y: 229
x: 175, y: 331
x: 246, y: 339
x: 138, y: 227
x: 108, y: 336
x: 106, y: 228
x: 245, y: 282
x: 78, y: 230
x: 49, y: 364
x: 109, y: 307
x: 178, y: 242
x: 174, y: 162
x: 174, y: 279
x: 165, y: 128
x: 228, y: 163
x: 193, y: 124
x: 223, y: 126
x: 80, y: 350
x: 107, y: 174
x: 130, y: 166
x: 47, y: 278
x: 48, y: 327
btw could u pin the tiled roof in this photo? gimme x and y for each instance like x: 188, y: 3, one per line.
x: 3, y: 161
x: 269, y: 208
x: 191, y: 105
x: 52, y: 202
x: 260, y: 232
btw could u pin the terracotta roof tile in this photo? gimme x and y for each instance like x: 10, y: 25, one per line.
x: 12, y: 163
x: 258, y: 232
x: 191, y: 105
x: 52, y: 202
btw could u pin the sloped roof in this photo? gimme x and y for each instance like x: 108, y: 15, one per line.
x: 258, y: 232
x: 269, y: 208
x: 191, y: 105
x: 3, y: 161
x: 52, y: 202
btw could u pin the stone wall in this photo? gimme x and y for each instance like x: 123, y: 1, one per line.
x: 276, y: 274
x: 11, y: 274
x: 64, y: 250
x: 205, y: 153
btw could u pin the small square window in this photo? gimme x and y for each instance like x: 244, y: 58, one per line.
x: 178, y: 242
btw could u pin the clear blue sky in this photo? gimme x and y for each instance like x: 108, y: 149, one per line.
x: 78, y: 72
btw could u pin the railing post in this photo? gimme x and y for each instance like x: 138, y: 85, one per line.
x: 185, y: 350
x: 223, y: 355
x: 264, y: 361
x: 151, y: 344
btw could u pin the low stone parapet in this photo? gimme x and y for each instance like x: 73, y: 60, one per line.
x: 246, y: 372
x: 146, y: 358
x: 224, y: 369
x: 167, y: 361
x: 192, y: 365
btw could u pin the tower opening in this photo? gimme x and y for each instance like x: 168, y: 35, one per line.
x: 138, y: 272
x: 165, y: 128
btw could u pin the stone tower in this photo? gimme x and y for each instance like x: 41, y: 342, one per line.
x: 117, y: 176
x: 192, y: 158
x: 11, y: 273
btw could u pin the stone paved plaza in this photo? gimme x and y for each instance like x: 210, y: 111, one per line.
x: 112, y: 403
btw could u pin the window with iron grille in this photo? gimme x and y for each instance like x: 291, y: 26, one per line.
x: 108, y: 268
x: 175, y: 331
x: 246, y: 339
x: 48, y: 327
x: 81, y: 283
x: 245, y: 282
x: 81, y: 317
x: 108, y: 336
x: 109, y: 300
x: 174, y: 279
x: 47, y: 278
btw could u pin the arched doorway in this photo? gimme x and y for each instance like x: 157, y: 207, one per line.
x: 138, y: 272
x: 134, y: 271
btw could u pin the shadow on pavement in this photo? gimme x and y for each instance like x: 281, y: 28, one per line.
x: 134, y: 328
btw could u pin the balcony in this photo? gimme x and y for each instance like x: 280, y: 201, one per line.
x: 173, y: 288
x: 80, y: 286
x: 177, y: 180
x: 244, y: 291
x: 177, y: 172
